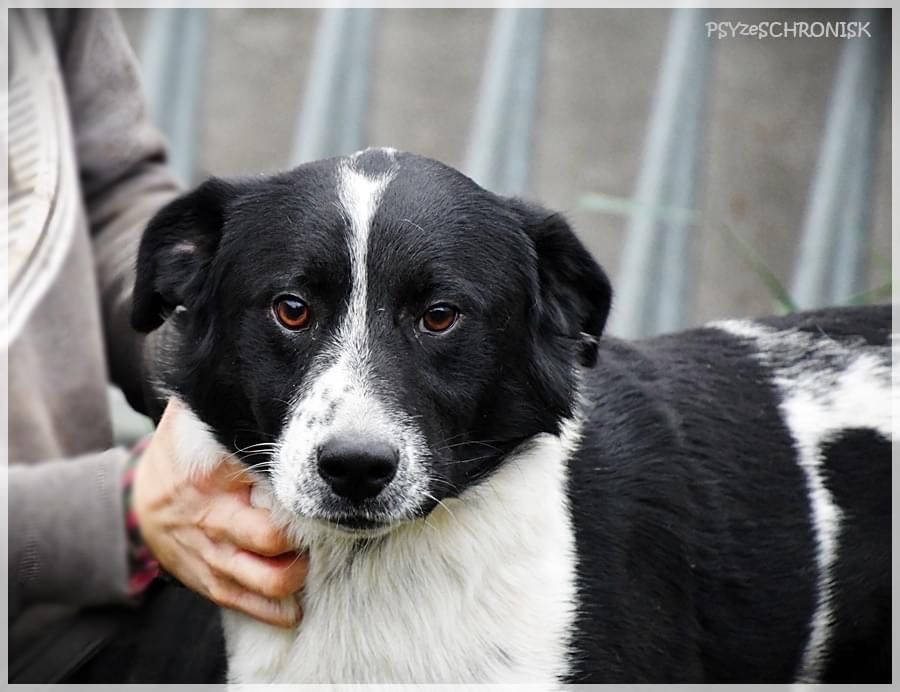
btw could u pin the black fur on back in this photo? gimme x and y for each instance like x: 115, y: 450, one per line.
x: 697, y: 554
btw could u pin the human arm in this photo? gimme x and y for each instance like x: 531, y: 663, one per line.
x: 124, y: 179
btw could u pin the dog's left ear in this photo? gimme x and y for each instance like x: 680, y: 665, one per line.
x: 575, y: 292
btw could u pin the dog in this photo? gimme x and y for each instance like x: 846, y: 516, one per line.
x: 491, y: 490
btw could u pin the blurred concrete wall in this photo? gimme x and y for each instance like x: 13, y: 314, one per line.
x: 767, y: 113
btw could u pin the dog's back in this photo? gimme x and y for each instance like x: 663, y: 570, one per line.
x: 732, y: 494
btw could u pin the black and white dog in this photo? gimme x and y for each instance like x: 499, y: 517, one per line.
x: 489, y: 491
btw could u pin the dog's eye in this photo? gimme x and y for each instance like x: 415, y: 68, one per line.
x: 292, y: 313
x: 438, y: 318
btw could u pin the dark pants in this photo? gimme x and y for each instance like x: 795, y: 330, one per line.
x: 174, y: 636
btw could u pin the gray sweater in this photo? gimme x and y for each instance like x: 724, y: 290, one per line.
x: 86, y: 173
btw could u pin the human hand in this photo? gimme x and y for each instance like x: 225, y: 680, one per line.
x: 204, y: 531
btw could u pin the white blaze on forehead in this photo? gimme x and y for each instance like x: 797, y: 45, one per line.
x: 359, y: 196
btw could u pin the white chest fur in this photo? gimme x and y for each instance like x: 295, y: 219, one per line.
x: 483, y: 591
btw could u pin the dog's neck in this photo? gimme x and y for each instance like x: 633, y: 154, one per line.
x: 482, y: 590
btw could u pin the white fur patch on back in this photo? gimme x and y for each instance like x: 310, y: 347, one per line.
x: 826, y: 387
x: 481, y: 591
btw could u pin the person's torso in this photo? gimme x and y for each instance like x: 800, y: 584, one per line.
x: 58, y: 402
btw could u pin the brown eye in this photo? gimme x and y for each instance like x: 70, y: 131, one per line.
x: 438, y: 318
x: 292, y: 313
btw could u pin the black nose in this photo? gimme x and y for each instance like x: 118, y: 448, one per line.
x: 357, y: 469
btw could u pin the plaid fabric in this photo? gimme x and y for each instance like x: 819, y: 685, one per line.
x: 143, y: 568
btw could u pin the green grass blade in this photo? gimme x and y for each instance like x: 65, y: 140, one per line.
x: 871, y: 296
x: 778, y: 291
x: 621, y: 206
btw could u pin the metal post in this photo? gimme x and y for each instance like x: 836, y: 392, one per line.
x: 651, y: 290
x: 500, y: 143
x: 850, y: 257
x: 332, y: 115
x: 673, y: 297
x: 172, y: 61
x: 831, y: 262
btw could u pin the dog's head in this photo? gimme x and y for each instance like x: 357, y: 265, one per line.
x: 381, y: 327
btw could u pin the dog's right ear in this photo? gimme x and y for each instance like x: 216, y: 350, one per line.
x: 176, y: 251
x: 575, y: 294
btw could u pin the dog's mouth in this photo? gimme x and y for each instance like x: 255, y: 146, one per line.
x: 367, y: 521
x: 356, y: 525
x: 351, y: 522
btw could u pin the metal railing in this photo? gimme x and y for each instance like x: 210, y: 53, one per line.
x: 657, y: 262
